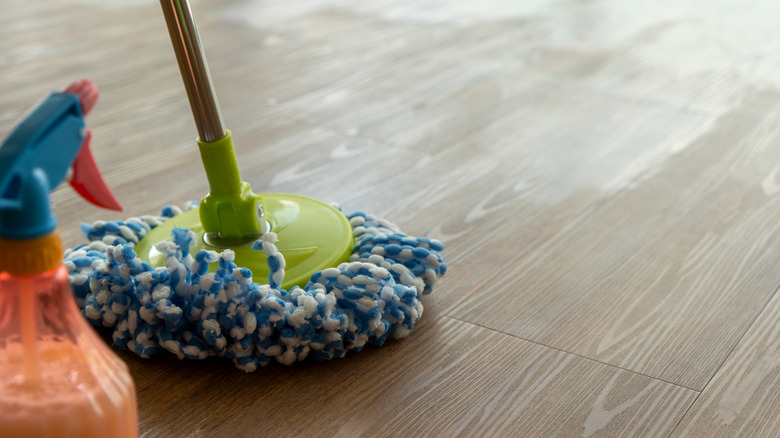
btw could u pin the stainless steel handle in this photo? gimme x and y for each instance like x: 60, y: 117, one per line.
x: 194, y: 68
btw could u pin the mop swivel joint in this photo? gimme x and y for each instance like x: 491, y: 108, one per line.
x: 231, y: 214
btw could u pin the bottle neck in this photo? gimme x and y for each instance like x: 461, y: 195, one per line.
x: 33, y: 256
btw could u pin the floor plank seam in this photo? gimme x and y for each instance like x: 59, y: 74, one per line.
x: 682, y: 417
x: 575, y: 354
x: 726, y: 358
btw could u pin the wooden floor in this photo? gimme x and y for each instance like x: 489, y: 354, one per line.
x: 605, y: 175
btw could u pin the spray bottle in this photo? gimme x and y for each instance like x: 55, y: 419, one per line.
x: 57, y: 377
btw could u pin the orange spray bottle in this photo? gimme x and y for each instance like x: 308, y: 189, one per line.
x: 57, y: 377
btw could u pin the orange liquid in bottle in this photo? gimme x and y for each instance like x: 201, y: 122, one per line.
x: 57, y: 377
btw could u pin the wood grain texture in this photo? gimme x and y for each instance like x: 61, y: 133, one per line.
x: 743, y: 398
x: 647, y: 279
x: 520, y: 379
x: 605, y: 176
x: 392, y: 391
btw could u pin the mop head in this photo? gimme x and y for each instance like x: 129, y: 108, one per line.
x: 186, y: 310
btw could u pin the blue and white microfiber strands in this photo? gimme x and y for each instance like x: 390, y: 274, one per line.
x: 186, y: 310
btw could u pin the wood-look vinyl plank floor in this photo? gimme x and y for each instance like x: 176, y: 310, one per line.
x: 742, y: 398
x: 604, y: 175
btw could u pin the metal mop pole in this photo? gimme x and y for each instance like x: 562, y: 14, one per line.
x: 231, y: 214
x: 194, y: 68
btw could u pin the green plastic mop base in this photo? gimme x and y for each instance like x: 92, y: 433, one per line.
x: 312, y: 236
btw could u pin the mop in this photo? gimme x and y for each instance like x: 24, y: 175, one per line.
x: 184, y: 281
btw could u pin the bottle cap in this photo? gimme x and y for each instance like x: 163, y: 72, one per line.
x: 30, y: 256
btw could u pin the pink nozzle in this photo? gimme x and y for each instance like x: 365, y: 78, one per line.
x: 87, y: 180
x: 86, y: 91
